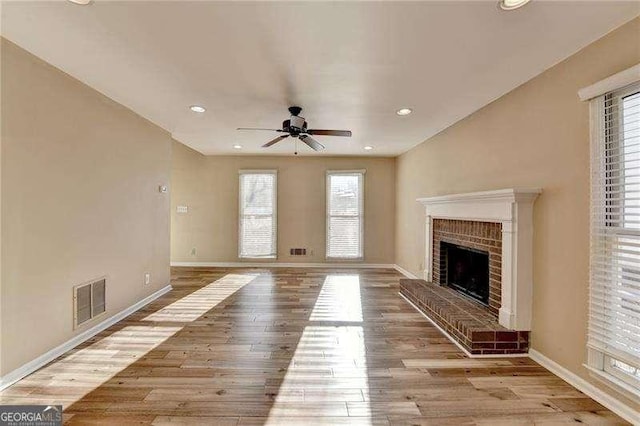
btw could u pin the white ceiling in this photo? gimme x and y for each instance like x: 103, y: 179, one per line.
x: 350, y: 65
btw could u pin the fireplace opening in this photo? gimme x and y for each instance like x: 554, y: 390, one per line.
x: 465, y: 270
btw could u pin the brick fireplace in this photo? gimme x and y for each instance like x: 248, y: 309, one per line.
x: 478, y: 281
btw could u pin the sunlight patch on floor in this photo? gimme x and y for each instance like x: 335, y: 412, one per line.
x: 325, y: 387
x: 339, y: 300
x: 81, y: 371
x: 196, y: 304
x: 338, y: 357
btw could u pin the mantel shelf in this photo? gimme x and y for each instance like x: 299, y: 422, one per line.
x: 509, y: 194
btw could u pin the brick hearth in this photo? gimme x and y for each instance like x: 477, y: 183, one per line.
x: 471, y: 324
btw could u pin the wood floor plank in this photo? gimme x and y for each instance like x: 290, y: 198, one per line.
x: 286, y: 346
x: 192, y: 420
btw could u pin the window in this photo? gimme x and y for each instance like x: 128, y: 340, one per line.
x: 614, y: 309
x: 258, y: 220
x: 345, y: 214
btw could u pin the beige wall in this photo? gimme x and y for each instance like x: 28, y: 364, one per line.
x: 535, y: 136
x: 209, y: 187
x: 79, y: 176
x: 80, y: 200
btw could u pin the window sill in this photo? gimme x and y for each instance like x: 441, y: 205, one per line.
x: 614, y: 383
x: 257, y: 257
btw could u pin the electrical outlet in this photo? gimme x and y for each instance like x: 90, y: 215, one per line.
x: 193, y: 251
x: 147, y: 278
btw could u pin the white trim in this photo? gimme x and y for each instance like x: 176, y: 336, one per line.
x: 257, y: 171
x: 513, y: 209
x: 613, y: 404
x: 346, y: 172
x: 609, y: 84
x: 345, y: 264
x: 612, y: 381
x: 508, y: 194
x: 455, y: 342
x: 404, y: 272
x: 33, y: 365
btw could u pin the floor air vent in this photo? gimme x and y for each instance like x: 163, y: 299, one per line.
x: 89, y: 301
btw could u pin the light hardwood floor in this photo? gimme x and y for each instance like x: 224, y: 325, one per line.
x: 294, y: 346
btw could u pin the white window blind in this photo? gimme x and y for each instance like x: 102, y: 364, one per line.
x: 614, y: 310
x: 345, y: 214
x: 258, y: 220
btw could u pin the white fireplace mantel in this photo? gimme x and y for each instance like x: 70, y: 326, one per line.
x: 513, y: 208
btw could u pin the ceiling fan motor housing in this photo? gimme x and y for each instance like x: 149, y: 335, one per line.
x: 295, y: 125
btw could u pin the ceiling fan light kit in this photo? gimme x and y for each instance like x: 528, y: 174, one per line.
x: 296, y: 127
x: 511, y: 4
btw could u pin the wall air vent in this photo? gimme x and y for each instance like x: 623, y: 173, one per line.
x: 89, y: 301
x: 298, y: 252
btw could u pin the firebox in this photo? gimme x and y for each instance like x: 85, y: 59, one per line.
x: 465, y: 270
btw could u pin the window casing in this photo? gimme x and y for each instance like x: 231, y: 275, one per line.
x: 345, y: 215
x: 614, y: 306
x: 258, y: 214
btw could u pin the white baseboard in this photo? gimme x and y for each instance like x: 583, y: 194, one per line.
x: 28, y: 368
x: 404, y: 272
x: 282, y: 265
x: 455, y: 342
x: 613, y: 404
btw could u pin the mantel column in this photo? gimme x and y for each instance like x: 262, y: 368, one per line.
x: 517, y: 267
x: 428, y: 252
x: 506, y: 314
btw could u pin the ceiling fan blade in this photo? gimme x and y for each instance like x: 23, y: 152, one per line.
x: 275, y: 141
x: 256, y: 128
x: 313, y: 144
x: 323, y: 132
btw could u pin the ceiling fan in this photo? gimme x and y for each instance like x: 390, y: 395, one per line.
x: 296, y: 127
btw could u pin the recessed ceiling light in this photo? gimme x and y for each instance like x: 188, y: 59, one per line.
x: 237, y: 147
x: 82, y: 2
x: 197, y: 108
x: 404, y: 111
x: 511, y: 4
x: 368, y: 148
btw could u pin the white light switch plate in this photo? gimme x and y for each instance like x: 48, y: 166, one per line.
x: 182, y: 209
